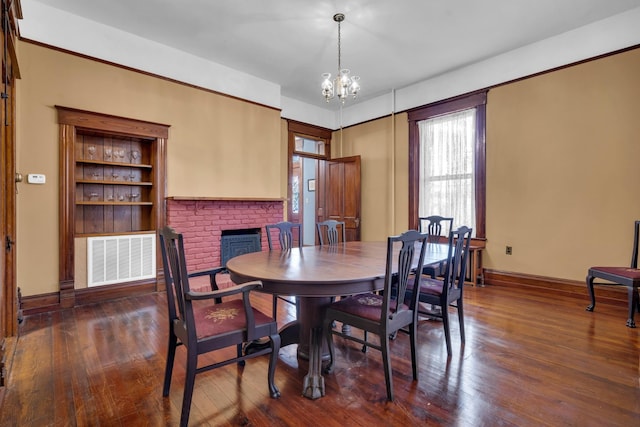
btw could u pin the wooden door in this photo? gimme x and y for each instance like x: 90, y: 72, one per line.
x: 338, y: 195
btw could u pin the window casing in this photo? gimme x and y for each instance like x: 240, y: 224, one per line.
x: 471, y: 174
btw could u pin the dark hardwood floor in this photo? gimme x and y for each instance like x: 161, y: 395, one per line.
x: 532, y: 358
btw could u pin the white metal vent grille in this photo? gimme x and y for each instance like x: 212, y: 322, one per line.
x: 117, y: 259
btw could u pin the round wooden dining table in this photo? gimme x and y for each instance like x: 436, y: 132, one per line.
x: 315, y: 274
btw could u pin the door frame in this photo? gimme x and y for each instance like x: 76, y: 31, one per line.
x: 9, y: 180
x: 316, y: 133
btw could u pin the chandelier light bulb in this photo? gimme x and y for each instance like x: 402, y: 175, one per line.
x: 327, y: 86
x: 355, y: 85
x: 344, y: 77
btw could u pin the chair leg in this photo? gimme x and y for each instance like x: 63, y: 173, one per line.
x: 275, y: 306
x: 461, y: 318
x: 273, y: 360
x: 592, y: 295
x: 633, y: 302
x: 364, y: 347
x: 386, y: 363
x: 445, y: 323
x: 239, y: 355
x: 413, y: 336
x: 189, y: 381
x: 171, y: 355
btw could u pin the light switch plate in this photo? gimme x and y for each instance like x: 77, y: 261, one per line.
x: 36, y: 178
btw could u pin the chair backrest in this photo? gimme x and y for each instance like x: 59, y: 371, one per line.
x: 634, y: 252
x: 331, y: 232
x: 435, y: 226
x: 287, y: 233
x: 457, y: 257
x: 175, y: 272
x: 400, y: 262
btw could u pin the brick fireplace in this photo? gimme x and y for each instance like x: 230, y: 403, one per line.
x: 202, y: 223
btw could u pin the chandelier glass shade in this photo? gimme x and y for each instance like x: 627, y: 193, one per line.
x: 343, y: 85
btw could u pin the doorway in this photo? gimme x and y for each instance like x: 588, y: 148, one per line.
x: 303, y: 194
x: 320, y: 187
x: 308, y: 145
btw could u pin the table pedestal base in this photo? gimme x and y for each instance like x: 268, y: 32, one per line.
x: 311, y: 317
x: 307, y: 333
x: 313, y: 385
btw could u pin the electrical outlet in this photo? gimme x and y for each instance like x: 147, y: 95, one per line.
x: 509, y: 250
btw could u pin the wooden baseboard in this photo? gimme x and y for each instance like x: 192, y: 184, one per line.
x: 51, y: 302
x: 604, y: 294
x: 109, y: 292
x: 41, y: 303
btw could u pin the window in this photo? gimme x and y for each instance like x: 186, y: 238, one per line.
x: 309, y: 146
x: 447, y: 162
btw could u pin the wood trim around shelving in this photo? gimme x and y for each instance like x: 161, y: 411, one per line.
x: 89, y: 181
x: 114, y: 234
x: 67, y: 215
x: 71, y: 122
x: 107, y: 163
x: 107, y: 203
x: 111, y: 124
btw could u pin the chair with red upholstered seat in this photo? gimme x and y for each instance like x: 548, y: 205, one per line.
x: 621, y: 276
x: 445, y: 292
x: 381, y: 314
x: 201, y: 325
x: 436, y: 226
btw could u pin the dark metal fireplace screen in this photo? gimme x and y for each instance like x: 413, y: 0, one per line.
x: 238, y: 242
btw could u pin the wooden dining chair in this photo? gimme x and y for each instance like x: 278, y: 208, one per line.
x: 201, y: 325
x: 382, y: 314
x: 436, y: 226
x: 448, y: 290
x: 621, y: 276
x: 331, y: 232
x: 288, y: 235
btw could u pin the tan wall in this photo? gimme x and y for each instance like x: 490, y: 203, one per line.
x: 384, y: 172
x: 562, y: 168
x: 561, y: 158
x: 217, y: 147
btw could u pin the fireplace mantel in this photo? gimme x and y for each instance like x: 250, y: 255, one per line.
x: 227, y: 199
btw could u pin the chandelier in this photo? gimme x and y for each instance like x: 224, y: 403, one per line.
x: 343, y: 84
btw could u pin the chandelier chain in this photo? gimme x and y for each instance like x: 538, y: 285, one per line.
x: 339, y: 49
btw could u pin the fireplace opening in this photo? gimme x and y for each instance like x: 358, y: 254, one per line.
x: 238, y: 242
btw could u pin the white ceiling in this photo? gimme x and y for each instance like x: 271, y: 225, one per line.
x: 390, y: 44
